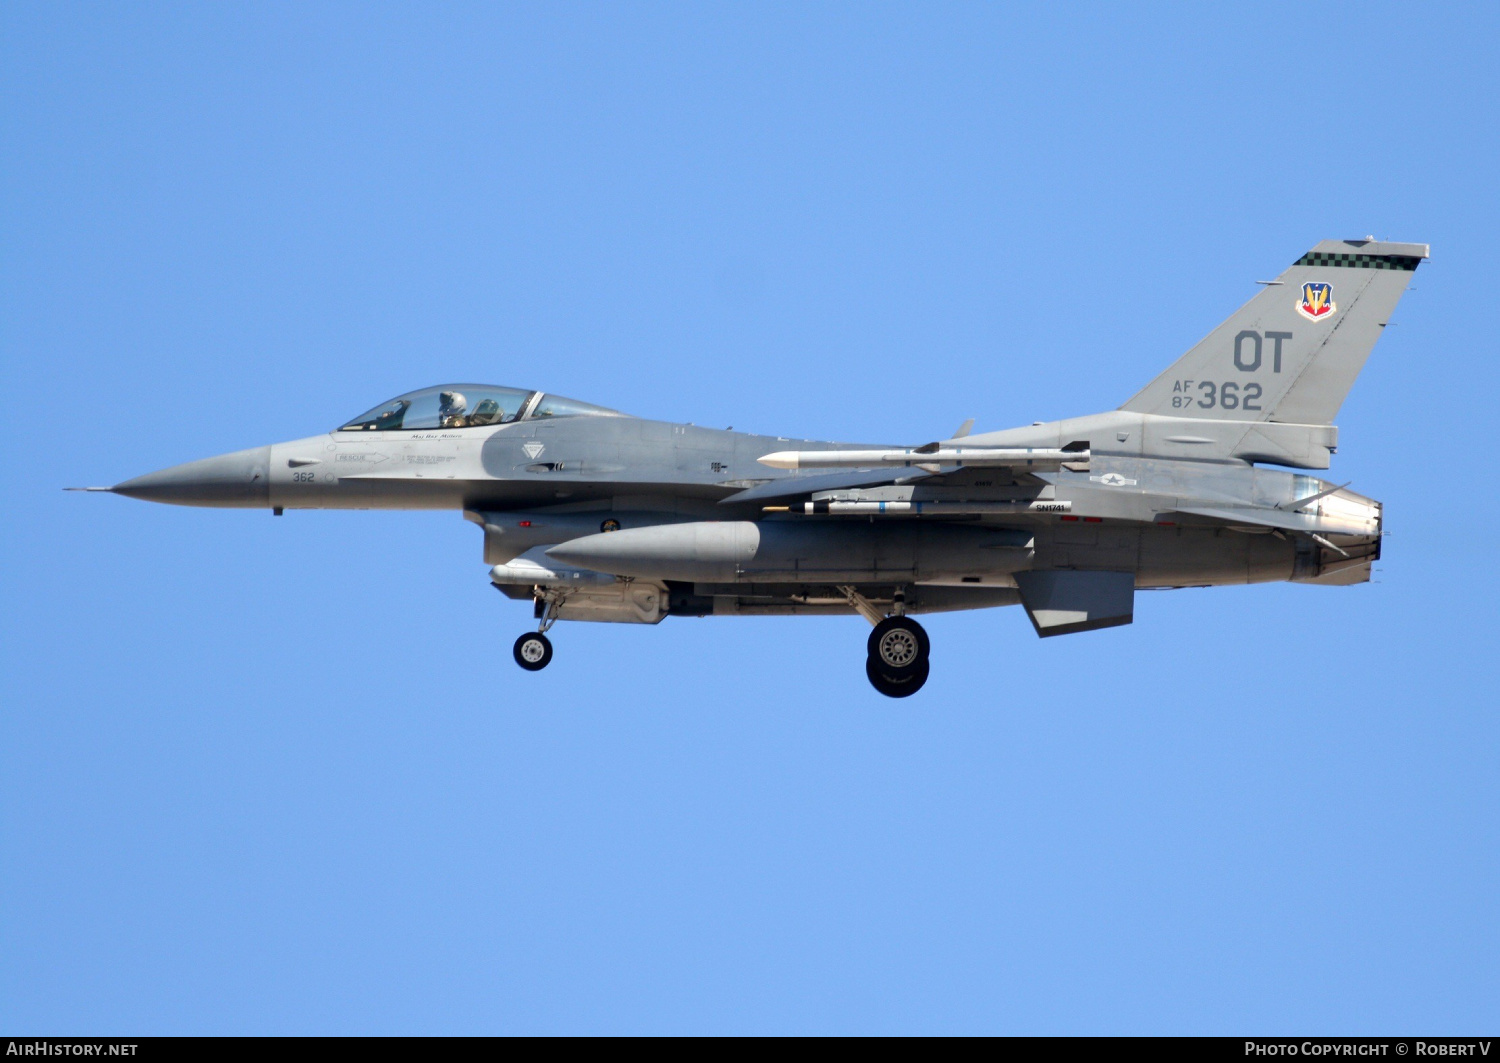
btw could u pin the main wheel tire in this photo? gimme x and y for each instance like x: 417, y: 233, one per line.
x: 898, y: 646
x: 895, y: 686
x: 533, y: 651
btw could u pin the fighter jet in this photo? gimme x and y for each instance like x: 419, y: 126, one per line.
x: 592, y: 514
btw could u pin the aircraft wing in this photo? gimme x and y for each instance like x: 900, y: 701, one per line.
x: 792, y: 486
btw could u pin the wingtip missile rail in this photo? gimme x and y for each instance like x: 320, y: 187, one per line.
x: 1008, y: 457
x: 920, y: 509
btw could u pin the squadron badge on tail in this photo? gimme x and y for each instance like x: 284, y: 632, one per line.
x: 1317, y: 300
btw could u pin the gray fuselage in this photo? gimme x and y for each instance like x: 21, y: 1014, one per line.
x: 536, y: 483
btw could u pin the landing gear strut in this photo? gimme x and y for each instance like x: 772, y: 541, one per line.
x: 533, y: 650
x: 896, y: 655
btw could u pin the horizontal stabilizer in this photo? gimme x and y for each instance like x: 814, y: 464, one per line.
x: 1278, y: 518
x: 1302, y: 503
x: 1063, y: 602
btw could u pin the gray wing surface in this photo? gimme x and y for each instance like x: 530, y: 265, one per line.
x: 792, y: 486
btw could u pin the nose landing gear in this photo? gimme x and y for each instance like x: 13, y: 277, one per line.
x: 533, y: 650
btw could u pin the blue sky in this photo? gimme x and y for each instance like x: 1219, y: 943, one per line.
x: 281, y: 776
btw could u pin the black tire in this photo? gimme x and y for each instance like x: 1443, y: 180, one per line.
x: 895, y: 686
x: 533, y: 651
x: 898, y: 646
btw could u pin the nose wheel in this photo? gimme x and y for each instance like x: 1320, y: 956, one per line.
x: 533, y: 651
x: 896, y: 661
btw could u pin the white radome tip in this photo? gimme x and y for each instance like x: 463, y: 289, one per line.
x: 782, y: 459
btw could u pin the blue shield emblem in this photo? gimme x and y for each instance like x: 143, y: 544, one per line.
x: 1317, y: 300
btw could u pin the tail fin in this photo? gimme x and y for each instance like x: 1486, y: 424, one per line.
x: 1291, y: 354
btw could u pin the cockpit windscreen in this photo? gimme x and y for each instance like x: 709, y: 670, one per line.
x: 465, y: 406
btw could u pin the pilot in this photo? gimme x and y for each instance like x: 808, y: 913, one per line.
x: 451, y: 407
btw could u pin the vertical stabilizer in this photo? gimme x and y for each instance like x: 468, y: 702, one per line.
x: 1291, y: 353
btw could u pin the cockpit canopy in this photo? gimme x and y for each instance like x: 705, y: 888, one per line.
x: 468, y: 406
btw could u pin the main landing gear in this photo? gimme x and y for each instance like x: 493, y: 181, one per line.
x: 896, y: 655
x: 533, y: 650
x: 896, y: 664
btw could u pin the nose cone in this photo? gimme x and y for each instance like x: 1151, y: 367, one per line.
x: 241, y: 479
